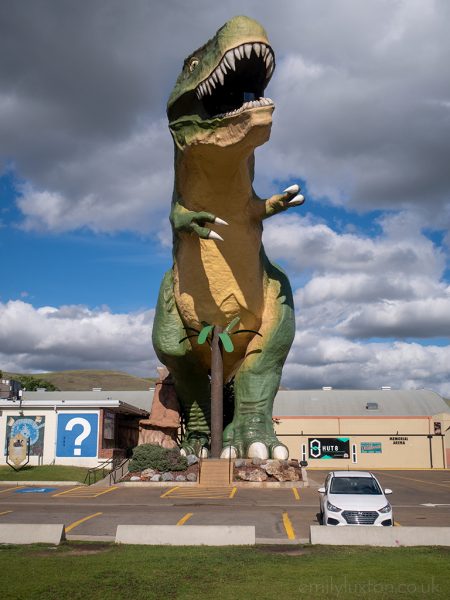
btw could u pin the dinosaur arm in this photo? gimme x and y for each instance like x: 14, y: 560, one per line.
x: 190, y: 221
x: 279, y: 202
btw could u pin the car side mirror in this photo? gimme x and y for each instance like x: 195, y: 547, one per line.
x: 321, y: 490
x: 387, y: 491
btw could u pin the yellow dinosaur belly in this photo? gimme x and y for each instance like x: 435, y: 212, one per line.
x: 217, y: 281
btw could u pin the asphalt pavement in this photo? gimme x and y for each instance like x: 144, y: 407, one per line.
x: 284, y: 514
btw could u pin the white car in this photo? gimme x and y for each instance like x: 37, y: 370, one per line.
x: 354, y: 498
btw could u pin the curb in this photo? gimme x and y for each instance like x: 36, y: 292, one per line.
x: 58, y: 483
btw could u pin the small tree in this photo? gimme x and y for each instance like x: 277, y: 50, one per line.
x: 219, y: 339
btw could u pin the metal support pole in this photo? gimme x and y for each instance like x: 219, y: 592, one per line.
x: 216, y: 394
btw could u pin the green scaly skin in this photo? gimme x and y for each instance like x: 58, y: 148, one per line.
x: 203, y: 158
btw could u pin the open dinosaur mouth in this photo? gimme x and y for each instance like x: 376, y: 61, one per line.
x: 239, y: 81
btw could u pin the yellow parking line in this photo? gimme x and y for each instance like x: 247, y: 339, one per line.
x: 183, y: 520
x: 76, y: 523
x: 111, y: 489
x: 17, y: 487
x: 296, y: 494
x: 233, y: 493
x: 79, y: 487
x: 169, y: 491
x: 288, y: 526
x: 418, y: 480
x: 5, y: 512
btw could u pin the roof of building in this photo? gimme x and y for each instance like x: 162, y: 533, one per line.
x: 355, y: 403
x: 293, y: 403
x: 138, y: 402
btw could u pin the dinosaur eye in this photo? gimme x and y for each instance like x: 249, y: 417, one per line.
x: 193, y: 64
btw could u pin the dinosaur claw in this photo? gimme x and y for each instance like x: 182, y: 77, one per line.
x: 297, y: 201
x: 292, y: 189
x: 212, y: 235
x: 258, y: 450
x: 220, y: 221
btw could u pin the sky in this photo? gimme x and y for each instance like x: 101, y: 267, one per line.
x: 362, y: 121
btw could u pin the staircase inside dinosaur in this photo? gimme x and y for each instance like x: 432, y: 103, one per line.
x: 214, y: 472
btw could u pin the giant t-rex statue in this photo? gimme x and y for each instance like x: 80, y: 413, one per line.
x: 217, y: 117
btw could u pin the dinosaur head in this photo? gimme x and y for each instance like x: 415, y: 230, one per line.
x: 221, y: 87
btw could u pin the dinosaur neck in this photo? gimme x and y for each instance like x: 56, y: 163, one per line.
x: 216, y: 180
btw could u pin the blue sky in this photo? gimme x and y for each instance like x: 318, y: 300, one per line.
x: 362, y: 121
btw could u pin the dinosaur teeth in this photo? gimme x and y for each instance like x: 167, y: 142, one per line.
x: 229, y: 63
x: 231, y: 59
x: 247, y: 105
x: 219, y: 73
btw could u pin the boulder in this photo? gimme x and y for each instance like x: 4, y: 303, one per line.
x: 180, y: 478
x: 135, y: 478
x: 252, y: 475
x: 291, y: 474
x: 191, y: 477
x: 272, y: 467
x: 148, y: 472
x: 167, y: 477
x: 156, y: 477
x: 191, y: 459
x: 239, y: 462
x: 257, y: 461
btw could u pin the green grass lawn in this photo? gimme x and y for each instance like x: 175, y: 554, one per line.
x: 102, y: 571
x: 44, y: 473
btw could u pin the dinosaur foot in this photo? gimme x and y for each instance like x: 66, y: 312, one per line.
x: 195, y: 443
x: 257, y: 450
x: 254, y: 439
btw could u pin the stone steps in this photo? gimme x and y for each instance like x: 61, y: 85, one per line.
x: 214, y: 472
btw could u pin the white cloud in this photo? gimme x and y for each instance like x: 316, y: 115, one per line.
x: 361, y: 104
x: 74, y: 337
x: 118, y: 187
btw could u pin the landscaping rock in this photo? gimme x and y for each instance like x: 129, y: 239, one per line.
x: 239, y: 462
x: 257, y: 461
x: 291, y: 474
x: 271, y: 465
x: 252, y: 475
x: 135, y: 478
x: 191, y: 477
x: 167, y: 477
x: 156, y: 477
x: 148, y: 472
x: 180, y: 478
x: 191, y: 459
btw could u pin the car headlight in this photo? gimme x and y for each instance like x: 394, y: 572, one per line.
x: 386, y: 508
x: 333, y: 508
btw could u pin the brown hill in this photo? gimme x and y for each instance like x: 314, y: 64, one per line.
x: 86, y: 380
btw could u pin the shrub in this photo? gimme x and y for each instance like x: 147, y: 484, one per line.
x: 148, y: 456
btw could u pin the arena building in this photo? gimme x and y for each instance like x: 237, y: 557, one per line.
x: 329, y: 428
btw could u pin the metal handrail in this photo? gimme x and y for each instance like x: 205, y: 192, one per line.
x: 120, y: 467
x: 93, y: 471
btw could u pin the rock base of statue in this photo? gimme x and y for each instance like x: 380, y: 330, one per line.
x: 161, y: 428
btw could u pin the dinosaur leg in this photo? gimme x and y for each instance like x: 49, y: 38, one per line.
x: 190, y: 377
x: 256, y: 383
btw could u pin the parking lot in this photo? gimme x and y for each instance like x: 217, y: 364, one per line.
x: 419, y: 498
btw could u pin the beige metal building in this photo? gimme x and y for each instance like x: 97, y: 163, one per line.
x: 366, y: 429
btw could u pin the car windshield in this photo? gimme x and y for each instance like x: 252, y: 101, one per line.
x: 355, y: 485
